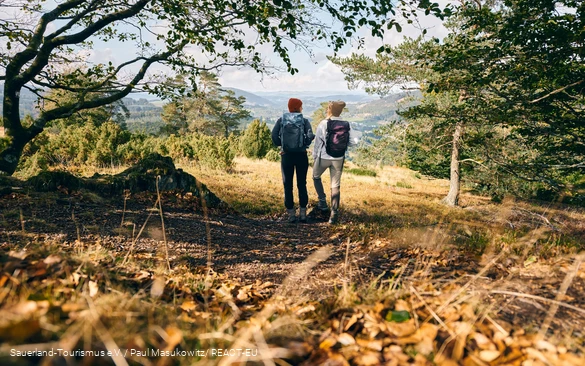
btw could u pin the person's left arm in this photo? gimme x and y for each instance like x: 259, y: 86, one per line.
x: 308, y: 133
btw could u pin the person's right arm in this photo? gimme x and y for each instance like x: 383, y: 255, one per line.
x: 354, y: 136
x: 319, y: 138
x: 276, y: 133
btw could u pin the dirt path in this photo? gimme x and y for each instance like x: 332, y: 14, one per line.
x: 264, y: 249
x: 269, y: 249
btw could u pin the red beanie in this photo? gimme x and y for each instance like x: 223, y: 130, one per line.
x: 294, y: 105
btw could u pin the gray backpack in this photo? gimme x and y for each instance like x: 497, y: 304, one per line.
x: 292, y: 132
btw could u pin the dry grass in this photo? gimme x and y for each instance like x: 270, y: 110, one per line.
x: 393, y: 222
x: 401, y: 206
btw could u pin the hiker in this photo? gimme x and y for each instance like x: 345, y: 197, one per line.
x: 332, y: 139
x: 293, y: 133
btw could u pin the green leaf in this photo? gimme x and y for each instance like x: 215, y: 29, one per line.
x: 398, y: 316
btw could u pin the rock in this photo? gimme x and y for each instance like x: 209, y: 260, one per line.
x: 139, y: 178
x: 51, y: 180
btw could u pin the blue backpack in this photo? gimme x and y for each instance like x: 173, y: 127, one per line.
x: 292, y: 132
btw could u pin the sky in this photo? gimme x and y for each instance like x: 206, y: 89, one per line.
x: 320, y: 74
x: 316, y: 74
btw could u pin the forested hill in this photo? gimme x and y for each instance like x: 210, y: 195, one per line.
x: 253, y: 99
x: 144, y: 114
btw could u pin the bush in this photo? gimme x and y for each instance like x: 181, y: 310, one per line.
x: 213, y: 151
x: 70, y: 145
x: 402, y: 184
x: 273, y: 155
x: 362, y: 171
x: 256, y: 141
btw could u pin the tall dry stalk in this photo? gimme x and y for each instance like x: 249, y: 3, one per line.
x: 162, y: 221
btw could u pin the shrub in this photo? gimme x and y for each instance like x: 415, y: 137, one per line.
x: 256, y: 141
x: 273, y: 155
x: 362, y: 171
x: 213, y: 151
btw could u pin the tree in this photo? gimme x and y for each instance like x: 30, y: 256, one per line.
x: 515, y: 74
x: 174, y: 118
x: 43, y: 35
x: 208, y: 109
x: 318, y: 115
x: 524, y: 61
x: 255, y: 142
x: 230, y: 111
x: 402, y: 66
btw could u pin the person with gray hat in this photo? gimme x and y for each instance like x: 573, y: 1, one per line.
x: 332, y: 138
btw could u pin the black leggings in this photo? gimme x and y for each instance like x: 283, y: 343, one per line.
x: 289, y: 162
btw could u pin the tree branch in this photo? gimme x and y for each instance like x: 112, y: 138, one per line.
x: 20, y: 59
x: 42, y: 57
x: 557, y: 91
x: 71, y: 108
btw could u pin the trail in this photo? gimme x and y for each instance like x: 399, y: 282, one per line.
x: 267, y: 249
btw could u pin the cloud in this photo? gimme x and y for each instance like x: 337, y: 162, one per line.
x: 325, y: 78
x: 318, y: 73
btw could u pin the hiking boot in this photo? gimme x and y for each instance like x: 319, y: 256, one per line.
x: 291, y: 215
x: 334, y: 218
x: 322, y: 205
x: 303, y: 215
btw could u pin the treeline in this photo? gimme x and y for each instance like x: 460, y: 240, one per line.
x: 108, y: 144
x: 200, y: 126
x: 503, y: 100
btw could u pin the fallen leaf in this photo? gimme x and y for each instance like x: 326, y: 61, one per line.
x: 328, y: 343
x: 52, y: 259
x: 482, y: 341
x: 462, y: 329
x: 18, y: 255
x: 401, y: 329
x: 401, y: 305
x: 545, y: 346
x: 188, y: 305
x: 368, y: 359
x: 489, y: 355
x: 374, y: 345
x: 3, y: 280
x: 93, y: 288
x: 398, y: 316
x: 345, y: 339
x: 242, y: 294
x: 158, y: 287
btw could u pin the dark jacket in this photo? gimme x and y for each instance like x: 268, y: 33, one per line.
x: 309, y: 136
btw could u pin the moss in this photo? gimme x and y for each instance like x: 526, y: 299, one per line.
x: 139, y: 178
x: 51, y: 180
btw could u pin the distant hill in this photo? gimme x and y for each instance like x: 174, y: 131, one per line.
x: 365, y: 109
x: 382, y: 110
x: 251, y: 98
x: 28, y: 102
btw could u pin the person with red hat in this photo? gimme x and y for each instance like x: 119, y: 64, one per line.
x: 293, y: 133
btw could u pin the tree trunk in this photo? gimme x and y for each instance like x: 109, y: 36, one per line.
x: 452, y: 198
x: 10, y: 156
x: 17, y: 135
